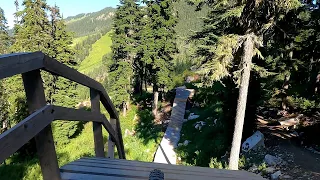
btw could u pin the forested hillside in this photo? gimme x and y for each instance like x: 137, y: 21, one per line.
x: 91, y: 23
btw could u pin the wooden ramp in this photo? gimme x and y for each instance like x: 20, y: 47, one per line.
x: 116, y: 169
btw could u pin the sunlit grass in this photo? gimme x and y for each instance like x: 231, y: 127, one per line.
x: 78, y: 40
x: 99, y: 49
x: 83, y: 146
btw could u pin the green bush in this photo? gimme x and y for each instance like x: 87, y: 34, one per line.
x: 63, y: 131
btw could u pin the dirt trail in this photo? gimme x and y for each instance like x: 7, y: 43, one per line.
x: 301, y: 162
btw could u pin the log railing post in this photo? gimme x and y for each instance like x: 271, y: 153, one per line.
x: 110, y: 142
x: 97, y: 128
x: 44, y: 140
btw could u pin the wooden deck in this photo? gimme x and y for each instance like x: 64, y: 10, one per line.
x: 116, y: 169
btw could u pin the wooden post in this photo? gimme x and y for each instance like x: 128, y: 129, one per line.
x: 97, y: 128
x: 110, y: 142
x: 44, y: 140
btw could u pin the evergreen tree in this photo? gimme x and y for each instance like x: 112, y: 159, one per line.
x: 158, y: 44
x: 62, y: 92
x: 124, y: 45
x: 233, y: 33
x: 4, y: 37
x: 34, y: 32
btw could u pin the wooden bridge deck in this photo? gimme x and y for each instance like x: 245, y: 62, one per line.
x: 116, y: 169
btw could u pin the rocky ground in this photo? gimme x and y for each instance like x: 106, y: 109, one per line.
x: 286, y: 154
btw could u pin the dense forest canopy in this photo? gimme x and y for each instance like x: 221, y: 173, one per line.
x: 243, y: 56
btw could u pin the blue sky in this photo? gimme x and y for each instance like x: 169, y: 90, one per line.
x: 67, y: 7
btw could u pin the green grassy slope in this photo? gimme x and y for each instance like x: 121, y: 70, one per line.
x: 99, y: 49
x: 78, y: 40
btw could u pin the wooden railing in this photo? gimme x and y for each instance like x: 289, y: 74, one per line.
x: 38, y: 124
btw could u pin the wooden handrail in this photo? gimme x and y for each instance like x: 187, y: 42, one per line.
x: 38, y: 125
x: 19, y: 63
x: 14, y: 138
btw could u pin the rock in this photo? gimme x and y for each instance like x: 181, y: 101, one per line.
x: 288, y: 122
x: 199, y: 125
x: 189, y: 79
x: 286, y: 177
x: 270, y: 170
x: 193, y: 116
x: 129, y: 133
x: 275, y: 175
x: 253, y: 168
x: 253, y: 142
x: 186, y: 142
x: 272, y: 160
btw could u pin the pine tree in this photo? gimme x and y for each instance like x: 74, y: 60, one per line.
x: 63, y: 92
x: 124, y: 40
x: 4, y: 45
x: 4, y: 37
x: 158, y: 44
x: 33, y: 32
x: 232, y: 36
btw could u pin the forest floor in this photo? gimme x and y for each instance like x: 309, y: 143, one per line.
x: 300, y: 160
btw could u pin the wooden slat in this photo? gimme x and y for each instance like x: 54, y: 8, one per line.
x: 60, y: 69
x: 79, y: 176
x: 18, y: 63
x: 57, y: 68
x: 44, y: 139
x: 14, y: 138
x: 26, y: 62
x: 110, y: 141
x: 136, y: 167
x: 105, y: 100
x: 97, y: 129
x: 141, y: 174
x: 63, y: 113
x: 170, y: 167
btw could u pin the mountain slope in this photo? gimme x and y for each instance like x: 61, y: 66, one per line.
x: 91, y: 23
x: 99, y: 49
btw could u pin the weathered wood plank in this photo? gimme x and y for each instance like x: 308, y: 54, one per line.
x: 143, y: 174
x: 44, y: 140
x: 171, y: 167
x: 136, y: 167
x: 80, y: 176
x: 18, y: 63
x: 110, y: 142
x: 14, y: 138
x: 57, y: 68
x: 105, y: 100
x: 63, y: 113
x: 97, y: 128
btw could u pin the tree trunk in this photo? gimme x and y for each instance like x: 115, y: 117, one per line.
x: 124, y: 109
x: 242, y: 102
x: 155, y: 101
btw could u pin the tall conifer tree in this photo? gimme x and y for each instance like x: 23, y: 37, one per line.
x: 4, y: 37
x: 232, y: 36
x: 158, y: 44
x: 124, y: 45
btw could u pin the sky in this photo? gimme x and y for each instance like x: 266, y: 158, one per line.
x: 67, y: 7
